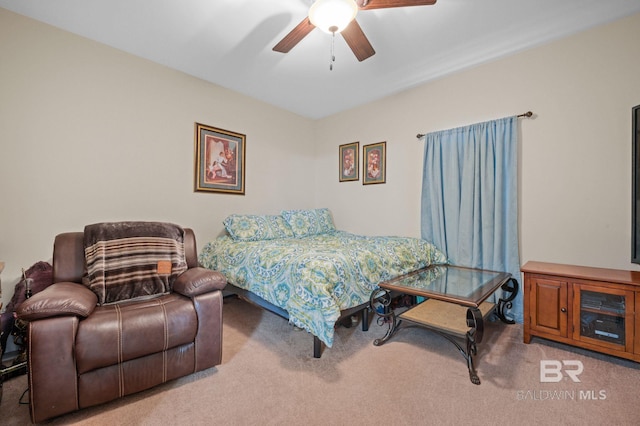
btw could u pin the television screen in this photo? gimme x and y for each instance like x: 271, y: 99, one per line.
x: 635, y: 201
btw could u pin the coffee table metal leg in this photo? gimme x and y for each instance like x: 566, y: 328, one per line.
x: 511, y: 288
x: 382, y: 298
x: 474, y: 336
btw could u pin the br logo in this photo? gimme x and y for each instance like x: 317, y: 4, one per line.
x: 551, y: 370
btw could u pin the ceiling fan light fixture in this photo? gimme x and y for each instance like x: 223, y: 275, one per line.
x: 332, y: 16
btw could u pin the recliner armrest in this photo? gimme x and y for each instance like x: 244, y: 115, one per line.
x: 59, y: 299
x: 196, y: 281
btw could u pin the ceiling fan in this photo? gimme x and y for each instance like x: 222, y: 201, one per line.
x: 338, y: 16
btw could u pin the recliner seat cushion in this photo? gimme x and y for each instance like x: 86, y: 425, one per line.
x: 129, y: 330
x: 108, y: 383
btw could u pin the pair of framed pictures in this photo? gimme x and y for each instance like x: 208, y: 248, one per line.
x: 374, y: 162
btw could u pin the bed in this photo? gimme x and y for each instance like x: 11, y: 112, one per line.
x: 299, y: 266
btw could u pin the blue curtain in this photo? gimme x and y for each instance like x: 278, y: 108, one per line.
x: 470, y: 200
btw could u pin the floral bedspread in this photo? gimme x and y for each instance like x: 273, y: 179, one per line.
x: 314, y: 278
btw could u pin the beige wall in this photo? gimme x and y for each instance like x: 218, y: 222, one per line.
x: 575, y: 154
x: 89, y: 133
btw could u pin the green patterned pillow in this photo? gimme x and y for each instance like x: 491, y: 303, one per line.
x: 305, y: 223
x: 247, y: 227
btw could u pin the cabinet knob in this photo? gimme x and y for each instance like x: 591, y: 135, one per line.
x: 563, y: 310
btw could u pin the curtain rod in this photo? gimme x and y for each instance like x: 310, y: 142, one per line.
x: 526, y: 114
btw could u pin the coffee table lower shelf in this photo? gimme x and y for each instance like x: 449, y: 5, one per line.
x: 450, y: 321
x: 444, y: 317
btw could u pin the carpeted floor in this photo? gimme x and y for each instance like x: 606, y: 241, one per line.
x: 269, y: 377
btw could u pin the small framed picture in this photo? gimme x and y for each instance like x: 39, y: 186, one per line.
x: 348, y: 161
x: 220, y: 156
x: 374, y: 163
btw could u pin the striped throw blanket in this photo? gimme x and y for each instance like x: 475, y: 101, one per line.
x: 126, y: 260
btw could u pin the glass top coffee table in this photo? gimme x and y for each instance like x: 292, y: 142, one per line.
x: 448, y: 291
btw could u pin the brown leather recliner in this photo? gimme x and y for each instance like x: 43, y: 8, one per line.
x: 81, y: 354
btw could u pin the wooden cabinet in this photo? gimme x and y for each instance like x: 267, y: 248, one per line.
x: 592, y: 308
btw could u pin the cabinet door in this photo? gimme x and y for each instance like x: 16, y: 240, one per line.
x: 603, y: 316
x: 549, y: 306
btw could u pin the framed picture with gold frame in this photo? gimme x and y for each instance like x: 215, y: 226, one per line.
x: 374, y: 163
x: 220, y: 160
x: 348, y: 162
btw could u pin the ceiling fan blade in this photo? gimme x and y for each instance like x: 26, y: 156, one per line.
x: 382, y: 4
x: 357, y: 41
x: 294, y: 37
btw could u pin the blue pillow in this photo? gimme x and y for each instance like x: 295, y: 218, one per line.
x: 247, y: 227
x: 305, y: 223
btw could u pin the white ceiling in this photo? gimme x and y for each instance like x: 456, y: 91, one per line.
x: 229, y: 42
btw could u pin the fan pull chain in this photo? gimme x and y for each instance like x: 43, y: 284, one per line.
x: 333, y: 56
